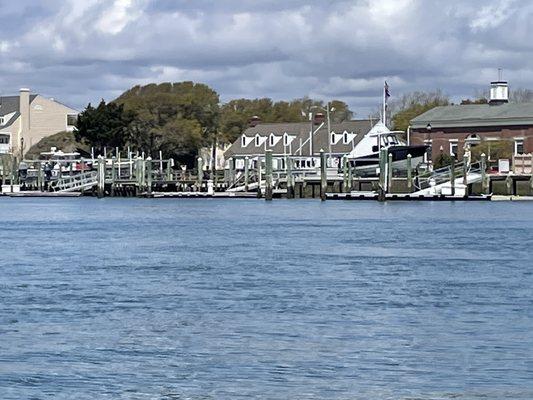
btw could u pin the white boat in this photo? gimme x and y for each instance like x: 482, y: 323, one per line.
x: 365, y: 156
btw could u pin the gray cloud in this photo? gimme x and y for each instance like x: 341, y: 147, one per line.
x: 81, y: 51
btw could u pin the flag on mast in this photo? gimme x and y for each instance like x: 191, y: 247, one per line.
x: 387, y: 93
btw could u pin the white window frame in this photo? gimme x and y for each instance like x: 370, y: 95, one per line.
x: 518, y: 141
x: 271, y: 140
x: 243, y: 141
x: 257, y: 141
x: 345, y: 137
x: 2, y: 122
x: 454, y: 143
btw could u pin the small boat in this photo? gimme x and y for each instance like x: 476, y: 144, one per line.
x: 365, y: 156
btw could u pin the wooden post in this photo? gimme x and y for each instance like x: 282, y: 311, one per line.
x: 409, y: 173
x: 113, y: 176
x: 323, y: 175
x: 509, y: 184
x: 389, y: 174
x: 101, y: 177
x: 138, y: 174
x: 246, y: 173
x: 452, y: 175
x: 382, y: 174
x: 290, y: 178
x: 483, y: 166
x: 200, y: 174
x: 119, y: 169
x: 268, y: 175
x: 351, y: 171
x: 259, y: 176
x: 40, y: 176
x: 231, y: 171
x: 169, y: 170
x: 149, y: 175
x: 345, y: 173
x: 3, y: 170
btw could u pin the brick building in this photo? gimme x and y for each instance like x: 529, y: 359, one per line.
x: 448, y: 128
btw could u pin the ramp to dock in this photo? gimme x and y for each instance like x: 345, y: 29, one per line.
x: 74, y: 183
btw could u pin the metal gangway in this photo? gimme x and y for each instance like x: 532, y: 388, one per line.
x: 440, y: 179
x: 78, y: 182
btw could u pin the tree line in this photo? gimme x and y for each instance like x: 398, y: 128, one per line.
x: 179, y: 118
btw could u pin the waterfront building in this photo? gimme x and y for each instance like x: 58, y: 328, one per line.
x: 447, y: 129
x: 300, y: 140
x: 27, y: 118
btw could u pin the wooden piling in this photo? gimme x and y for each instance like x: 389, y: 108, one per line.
x: 483, y: 166
x: 113, y: 176
x: 382, y: 174
x: 259, y: 174
x: 149, y: 175
x: 290, y: 178
x: 452, y: 176
x: 101, y: 177
x: 409, y: 173
x: 169, y: 170
x: 345, y: 173
x: 268, y: 175
x: 509, y: 184
x: 246, y: 173
x: 200, y: 176
x: 389, y: 173
x: 323, y: 175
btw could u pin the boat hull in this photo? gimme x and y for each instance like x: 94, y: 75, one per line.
x: 368, y: 165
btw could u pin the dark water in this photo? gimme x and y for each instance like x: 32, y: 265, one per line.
x: 214, y: 299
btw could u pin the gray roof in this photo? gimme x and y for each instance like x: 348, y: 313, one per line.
x: 473, y: 115
x: 301, y: 132
x: 10, y: 104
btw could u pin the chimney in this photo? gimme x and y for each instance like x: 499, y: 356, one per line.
x: 319, y: 118
x: 254, y: 121
x: 24, y: 108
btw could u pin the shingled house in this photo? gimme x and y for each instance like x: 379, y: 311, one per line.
x: 297, y: 140
x: 27, y: 118
x: 448, y: 128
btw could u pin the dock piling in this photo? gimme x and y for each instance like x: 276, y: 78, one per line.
x: 389, y: 173
x: 323, y: 175
x: 452, y: 175
x: 246, y: 173
x: 409, y: 173
x: 268, y: 175
x: 290, y: 178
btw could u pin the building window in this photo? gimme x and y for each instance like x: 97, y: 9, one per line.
x: 345, y: 138
x: 271, y: 139
x: 72, y: 120
x: 453, y: 149
x: 243, y: 141
x: 332, y: 141
x: 257, y: 140
x: 519, y: 146
x: 2, y: 122
x: 4, y: 139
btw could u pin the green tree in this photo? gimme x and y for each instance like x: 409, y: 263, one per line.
x: 107, y: 125
x: 183, y: 114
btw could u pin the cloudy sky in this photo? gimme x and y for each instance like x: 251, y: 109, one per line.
x: 83, y: 50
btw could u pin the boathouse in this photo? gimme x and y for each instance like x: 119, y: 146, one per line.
x: 300, y: 140
x: 447, y: 129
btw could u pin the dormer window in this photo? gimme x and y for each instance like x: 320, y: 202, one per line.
x: 257, y: 140
x: 285, y: 139
x: 271, y: 140
x: 2, y: 122
x: 345, y: 137
x: 332, y: 138
x: 243, y: 141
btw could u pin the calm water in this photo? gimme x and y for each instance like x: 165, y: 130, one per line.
x: 226, y: 299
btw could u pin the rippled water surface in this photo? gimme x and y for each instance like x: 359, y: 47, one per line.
x: 226, y: 299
